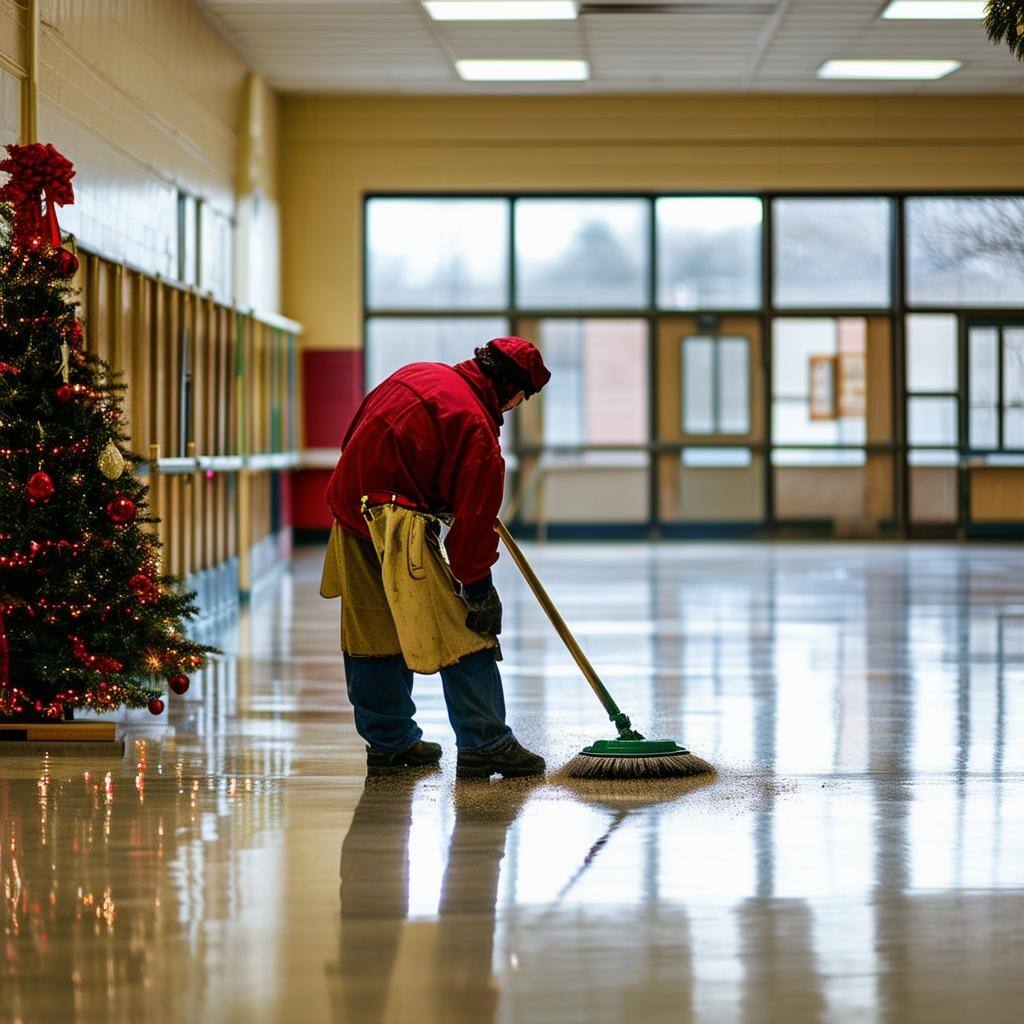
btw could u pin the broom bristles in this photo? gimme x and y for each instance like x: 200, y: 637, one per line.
x: 657, y: 766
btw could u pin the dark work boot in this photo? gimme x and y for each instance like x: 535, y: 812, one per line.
x: 419, y: 755
x: 510, y: 759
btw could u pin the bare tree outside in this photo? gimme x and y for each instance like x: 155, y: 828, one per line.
x: 966, y: 250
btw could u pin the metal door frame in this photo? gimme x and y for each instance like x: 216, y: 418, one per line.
x: 974, y: 458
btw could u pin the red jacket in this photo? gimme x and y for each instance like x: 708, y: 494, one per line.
x: 429, y: 433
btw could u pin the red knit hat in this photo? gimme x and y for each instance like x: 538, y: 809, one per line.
x: 527, y: 357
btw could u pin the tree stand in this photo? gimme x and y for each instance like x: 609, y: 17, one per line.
x: 28, y: 737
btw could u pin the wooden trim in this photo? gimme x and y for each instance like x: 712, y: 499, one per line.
x: 138, y: 324
x: 30, y: 80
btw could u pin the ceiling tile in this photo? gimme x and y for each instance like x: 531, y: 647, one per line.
x: 355, y: 45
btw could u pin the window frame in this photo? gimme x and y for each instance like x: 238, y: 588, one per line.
x: 999, y: 324
x: 896, y: 312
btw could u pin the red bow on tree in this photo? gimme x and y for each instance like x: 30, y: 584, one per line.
x: 38, y: 172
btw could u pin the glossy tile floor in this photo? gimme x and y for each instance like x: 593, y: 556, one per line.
x: 859, y: 858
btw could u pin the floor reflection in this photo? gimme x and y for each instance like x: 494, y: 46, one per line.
x: 395, y: 964
x: 860, y: 857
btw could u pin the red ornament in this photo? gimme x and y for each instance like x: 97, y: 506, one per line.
x: 67, y: 393
x: 121, y: 511
x: 66, y: 262
x: 156, y: 706
x: 76, y: 333
x: 40, y: 487
x: 145, y: 589
x: 179, y: 684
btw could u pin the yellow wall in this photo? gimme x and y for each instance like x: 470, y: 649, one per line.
x: 12, y: 69
x: 10, y: 119
x: 147, y: 97
x: 257, y: 264
x: 334, y: 150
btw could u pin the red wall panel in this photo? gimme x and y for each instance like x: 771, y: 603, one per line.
x: 309, y: 510
x: 332, y: 386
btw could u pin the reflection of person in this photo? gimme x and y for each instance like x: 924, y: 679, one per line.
x: 465, y: 989
x: 374, y: 896
x: 421, y: 450
x: 443, y: 966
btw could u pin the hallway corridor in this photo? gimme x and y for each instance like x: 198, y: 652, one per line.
x: 859, y: 858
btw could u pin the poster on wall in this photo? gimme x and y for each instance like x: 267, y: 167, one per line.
x: 852, y: 374
x: 821, y: 392
x: 852, y: 369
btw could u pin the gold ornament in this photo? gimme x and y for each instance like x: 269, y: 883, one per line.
x: 111, y: 461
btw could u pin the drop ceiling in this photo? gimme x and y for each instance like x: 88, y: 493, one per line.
x: 393, y: 46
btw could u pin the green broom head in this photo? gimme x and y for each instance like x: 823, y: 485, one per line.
x: 636, y: 759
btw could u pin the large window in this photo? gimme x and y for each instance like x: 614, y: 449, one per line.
x: 391, y: 342
x: 437, y: 254
x: 216, y: 253
x: 811, y: 352
x: 204, y: 249
x: 709, y: 252
x: 966, y: 251
x: 188, y: 237
x: 582, y: 253
x: 833, y: 253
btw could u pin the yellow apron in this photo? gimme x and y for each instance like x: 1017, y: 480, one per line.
x: 398, y: 595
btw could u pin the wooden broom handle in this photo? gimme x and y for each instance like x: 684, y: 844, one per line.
x: 557, y: 621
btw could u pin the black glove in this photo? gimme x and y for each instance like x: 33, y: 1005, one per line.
x: 484, y: 605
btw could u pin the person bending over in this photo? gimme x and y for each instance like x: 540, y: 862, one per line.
x: 423, y: 450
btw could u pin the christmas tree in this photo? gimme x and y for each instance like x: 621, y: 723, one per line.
x: 1004, y: 22
x: 87, y: 619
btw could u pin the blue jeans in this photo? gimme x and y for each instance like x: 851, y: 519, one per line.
x: 380, y: 690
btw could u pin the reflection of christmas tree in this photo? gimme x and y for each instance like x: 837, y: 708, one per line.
x: 86, y: 618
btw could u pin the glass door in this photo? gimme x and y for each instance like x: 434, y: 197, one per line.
x: 711, y: 424
x: 993, y: 423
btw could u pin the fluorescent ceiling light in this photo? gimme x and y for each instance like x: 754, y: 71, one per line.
x: 500, y: 10
x: 888, y: 70
x: 523, y: 70
x: 936, y: 10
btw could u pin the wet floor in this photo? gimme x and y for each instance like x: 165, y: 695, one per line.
x: 860, y: 856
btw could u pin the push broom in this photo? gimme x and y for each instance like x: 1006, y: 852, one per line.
x: 629, y: 756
